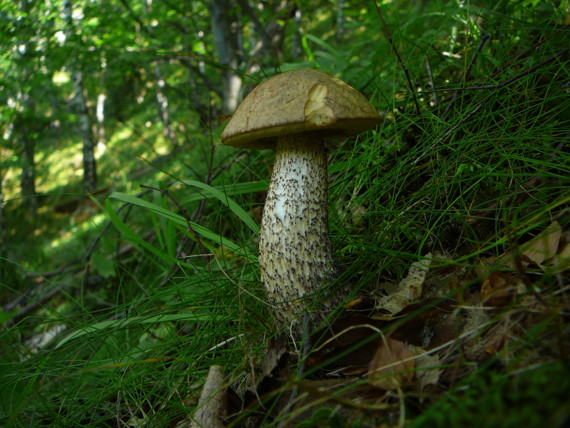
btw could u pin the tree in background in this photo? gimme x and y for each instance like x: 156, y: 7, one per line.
x: 78, y: 103
x: 226, y: 29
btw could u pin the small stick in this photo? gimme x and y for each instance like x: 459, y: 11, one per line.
x: 212, y: 403
x: 432, y: 84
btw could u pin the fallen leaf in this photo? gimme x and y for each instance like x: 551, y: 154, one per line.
x: 543, y: 246
x: 499, y: 288
x: 409, y: 290
x: 428, y: 367
x: 561, y: 261
x: 392, y: 365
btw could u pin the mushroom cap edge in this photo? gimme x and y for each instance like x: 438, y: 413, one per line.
x: 298, y: 101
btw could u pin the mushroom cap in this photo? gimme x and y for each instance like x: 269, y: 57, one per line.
x: 295, y: 102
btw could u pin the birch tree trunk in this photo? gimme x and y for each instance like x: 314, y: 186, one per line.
x: 226, y: 30
x: 28, y: 177
x: 2, y: 226
x: 161, y: 98
x: 100, y: 109
x: 78, y: 105
x: 84, y: 122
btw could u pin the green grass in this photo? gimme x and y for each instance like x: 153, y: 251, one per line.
x: 531, y: 398
x: 166, y: 294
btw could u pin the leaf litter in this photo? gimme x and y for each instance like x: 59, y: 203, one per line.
x: 441, y: 323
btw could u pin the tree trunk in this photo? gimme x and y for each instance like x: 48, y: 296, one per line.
x: 84, y: 122
x: 78, y: 105
x: 2, y: 226
x: 100, y: 109
x: 296, y: 47
x: 226, y: 30
x: 340, y: 20
x: 161, y: 98
x: 271, y: 35
x: 162, y: 101
x: 28, y: 177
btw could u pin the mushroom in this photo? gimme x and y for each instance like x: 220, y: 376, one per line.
x: 294, y: 112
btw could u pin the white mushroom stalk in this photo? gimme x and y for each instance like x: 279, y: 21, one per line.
x: 295, y: 254
x: 293, y: 112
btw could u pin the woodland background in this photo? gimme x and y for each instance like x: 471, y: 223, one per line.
x: 128, y: 233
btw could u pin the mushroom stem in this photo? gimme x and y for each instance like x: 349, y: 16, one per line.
x: 295, y: 253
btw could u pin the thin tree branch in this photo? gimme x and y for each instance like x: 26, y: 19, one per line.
x: 388, y: 36
x: 504, y: 82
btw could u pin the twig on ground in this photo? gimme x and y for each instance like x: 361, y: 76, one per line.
x: 212, y: 405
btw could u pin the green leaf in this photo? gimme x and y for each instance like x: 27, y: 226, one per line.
x: 103, y: 265
x: 135, y: 239
x: 177, y: 219
x: 230, y: 203
x: 186, y: 315
x: 230, y: 189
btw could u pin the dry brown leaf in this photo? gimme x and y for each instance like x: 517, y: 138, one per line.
x: 561, y: 261
x: 543, y: 246
x: 410, y: 288
x: 428, y: 369
x: 476, y: 320
x: 499, y: 288
x: 389, y: 369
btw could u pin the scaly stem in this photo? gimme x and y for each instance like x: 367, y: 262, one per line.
x: 295, y: 246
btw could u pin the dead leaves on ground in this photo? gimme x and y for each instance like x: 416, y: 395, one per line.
x: 392, y: 365
x: 417, y: 342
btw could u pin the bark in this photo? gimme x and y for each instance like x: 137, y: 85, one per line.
x: 84, y: 123
x: 100, y: 109
x: 162, y: 101
x: 271, y: 35
x: 28, y: 177
x: 2, y: 228
x: 340, y: 20
x: 25, y: 127
x: 227, y: 36
x: 161, y: 98
x: 296, y: 48
x: 78, y: 105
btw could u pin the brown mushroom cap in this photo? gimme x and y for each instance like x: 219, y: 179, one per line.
x: 295, y: 102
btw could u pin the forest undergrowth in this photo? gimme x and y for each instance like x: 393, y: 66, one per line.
x: 450, y: 226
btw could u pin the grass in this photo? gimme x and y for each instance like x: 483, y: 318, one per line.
x: 472, y: 175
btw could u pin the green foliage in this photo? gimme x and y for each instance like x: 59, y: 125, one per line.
x: 152, y: 287
x: 531, y: 398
